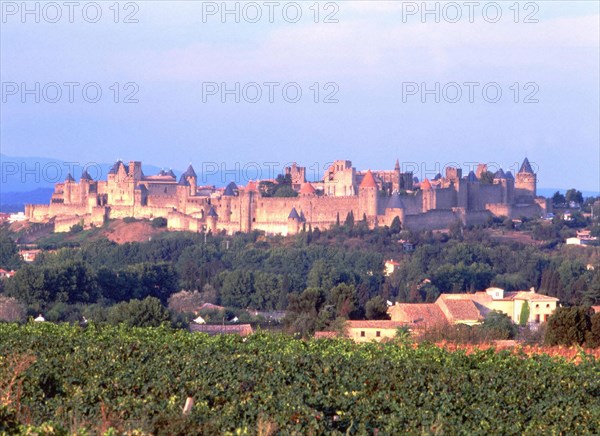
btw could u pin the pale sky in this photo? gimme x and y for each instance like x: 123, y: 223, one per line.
x: 376, y: 61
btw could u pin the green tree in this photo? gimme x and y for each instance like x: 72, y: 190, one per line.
x: 558, y: 199
x: 568, y: 325
x: 524, y: 315
x: 396, y: 226
x: 498, y: 326
x: 9, y: 253
x: 376, y: 308
x: 574, y: 195
x: 487, y: 177
x: 148, y: 312
x: 237, y: 288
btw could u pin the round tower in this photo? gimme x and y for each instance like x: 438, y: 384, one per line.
x: 367, y: 196
x: 526, y: 183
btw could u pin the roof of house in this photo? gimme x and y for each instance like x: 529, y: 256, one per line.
x: 459, y: 307
x: 324, y: 334
x: 69, y: 178
x: 500, y: 174
x: 211, y: 306
x: 375, y: 324
x: 220, y: 329
x: 368, y: 181
x: 307, y: 189
x: 419, y: 314
x: 509, y: 176
x: 529, y: 296
x: 526, y: 167
x: 596, y: 309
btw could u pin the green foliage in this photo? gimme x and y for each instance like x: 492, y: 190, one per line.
x: 487, y: 177
x: 593, y: 336
x: 396, y: 226
x: 558, y: 199
x: 148, y: 312
x: 574, y: 195
x: 9, y: 253
x: 159, y: 222
x: 498, y: 326
x: 524, y: 315
x: 139, y: 379
x: 76, y: 228
x: 568, y: 326
x: 376, y: 308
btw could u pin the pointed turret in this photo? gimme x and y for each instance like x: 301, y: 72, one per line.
x: 426, y: 185
x: 86, y: 176
x: 294, y: 214
x: 190, y: 171
x: 230, y: 190
x: 368, y: 181
x: 397, y: 166
x: 307, y: 189
x: 500, y: 175
x: 69, y: 178
x: 526, y: 167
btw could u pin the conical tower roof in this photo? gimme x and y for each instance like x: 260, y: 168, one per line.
x: 395, y: 202
x: 526, y: 167
x: 307, y: 189
x: 212, y: 212
x: 86, y: 176
x: 368, y: 181
x: 426, y: 185
x: 190, y: 171
x: 500, y: 174
x: 69, y: 178
x: 294, y: 214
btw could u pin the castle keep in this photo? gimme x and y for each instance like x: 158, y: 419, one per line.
x: 377, y: 196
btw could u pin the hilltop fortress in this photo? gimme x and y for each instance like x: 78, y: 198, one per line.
x: 377, y: 196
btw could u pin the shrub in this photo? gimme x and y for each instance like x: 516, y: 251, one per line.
x: 159, y: 222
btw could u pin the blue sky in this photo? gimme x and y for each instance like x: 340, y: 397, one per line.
x: 370, y: 57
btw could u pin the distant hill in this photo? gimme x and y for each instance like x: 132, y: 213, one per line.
x: 27, y: 174
x: 16, y: 201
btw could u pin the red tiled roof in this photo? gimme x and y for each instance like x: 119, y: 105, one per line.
x: 307, y: 189
x: 252, y: 186
x: 529, y: 295
x: 368, y: 181
x: 426, y: 184
x: 459, y: 309
x: 375, y: 324
x: 417, y: 314
x: 320, y: 335
x: 217, y: 329
x: 596, y: 309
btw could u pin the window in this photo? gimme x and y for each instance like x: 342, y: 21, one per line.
x: 537, y: 306
x: 548, y: 306
x: 537, y: 318
x: 362, y: 334
x: 378, y: 333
